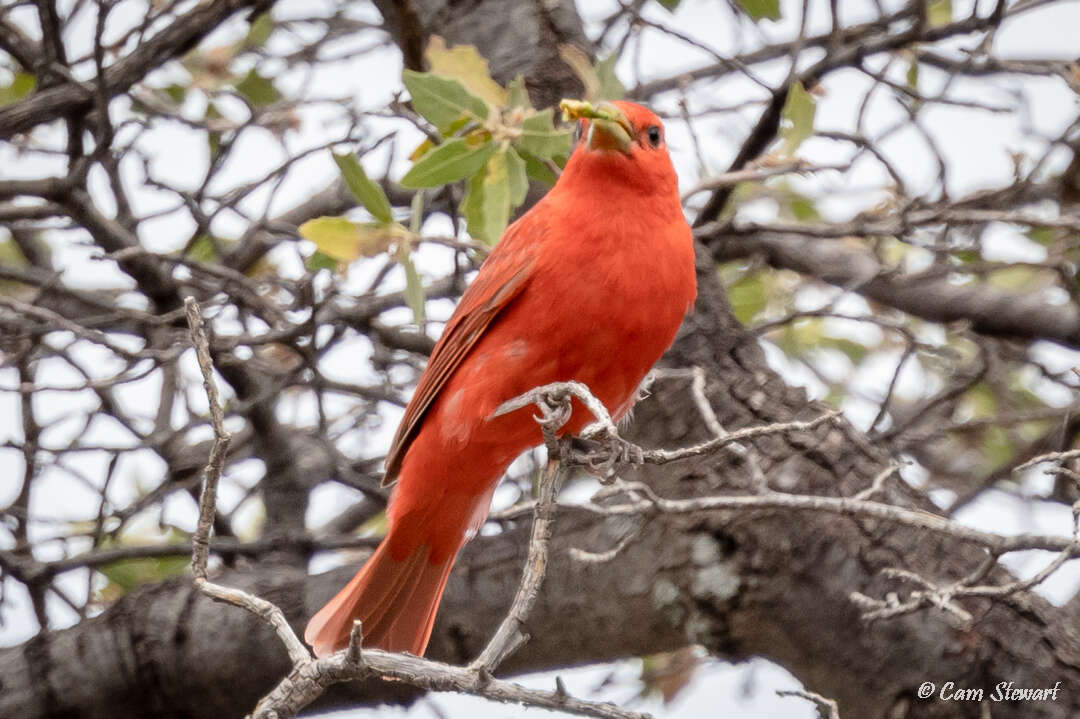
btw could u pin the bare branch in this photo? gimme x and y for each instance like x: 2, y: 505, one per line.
x: 200, y: 542
x: 73, y: 97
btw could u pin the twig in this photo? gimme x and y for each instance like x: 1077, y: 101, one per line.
x: 586, y: 557
x: 52, y: 321
x: 753, y: 174
x: 704, y: 407
x: 307, y: 681
x: 1049, y: 457
x: 663, y: 456
x: 844, y: 506
x: 200, y: 542
x: 878, y: 482
x: 826, y: 706
x: 631, y: 452
x: 509, y: 636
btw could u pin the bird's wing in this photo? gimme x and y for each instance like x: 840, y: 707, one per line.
x: 501, y: 278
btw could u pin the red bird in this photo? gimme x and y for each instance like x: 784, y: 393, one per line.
x: 590, y: 285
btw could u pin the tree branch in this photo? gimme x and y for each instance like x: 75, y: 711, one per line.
x: 988, y: 309
x: 175, y: 39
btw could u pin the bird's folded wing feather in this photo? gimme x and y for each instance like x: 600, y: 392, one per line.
x: 502, y: 277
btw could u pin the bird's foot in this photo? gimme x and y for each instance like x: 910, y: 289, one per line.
x: 555, y: 410
x: 601, y: 453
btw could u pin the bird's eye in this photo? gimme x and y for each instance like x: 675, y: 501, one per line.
x: 654, y: 136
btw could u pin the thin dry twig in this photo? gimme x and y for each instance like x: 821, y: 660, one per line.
x: 200, y: 542
x: 631, y: 452
x: 827, y: 707
x: 510, y: 635
x: 307, y: 681
x: 754, y: 174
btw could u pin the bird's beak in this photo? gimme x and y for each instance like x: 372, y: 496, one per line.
x: 611, y: 134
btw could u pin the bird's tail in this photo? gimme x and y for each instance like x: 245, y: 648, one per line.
x: 395, y: 599
x: 396, y: 593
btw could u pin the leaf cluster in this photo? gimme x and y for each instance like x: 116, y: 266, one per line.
x: 491, y: 137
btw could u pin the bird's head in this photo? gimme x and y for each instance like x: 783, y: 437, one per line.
x: 622, y: 141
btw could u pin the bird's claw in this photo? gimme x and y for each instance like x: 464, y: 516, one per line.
x: 555, y: 410
x: 602, y: 455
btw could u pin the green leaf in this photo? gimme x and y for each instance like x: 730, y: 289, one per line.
x: 892, y: 251
x: 22, y: 84
x: 213, y: 137
x: 939, y: 12
x: 176, y: 92
x: 793, y: 204
x: 803, y: 209
x: 443, y: 101
x: 427, y: 145
x: 422, y: 149
x: 377, y: 526
x: 747, y: 297
x: 980, y: 401
x: 127, y: 574
x: 472, y: 204
x: 464, y: 64
x: 609, y: 87
x: 450, y: 161
x: 802, y: 335
x: 344, y: 239
x: 12, y: 256
x: 486, y: 205
x: 912, y: 75
x: 761, y: 9
x: 539, y: 136
x: 319, y: 260
x: 257, y: 90
x: 856, y: 352
x: 1042, y: 235
x: 1023, y: 279
x: 368, y: 193
x: 669, y: 5
x: 966, y: 256
x: 516, y: 177
x: 416, y: 213
x: 797, y: 118
x: 538, y: 169
x: 203, y: 249
x: 260, y: 30
x: 518, y: 96
x: 414, y: 287
x: 997, y: 449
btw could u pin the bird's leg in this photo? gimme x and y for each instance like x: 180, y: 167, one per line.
x: 600, y: 451
x: 555, y: 409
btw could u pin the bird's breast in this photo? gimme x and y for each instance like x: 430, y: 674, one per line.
x: 606, y: 310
